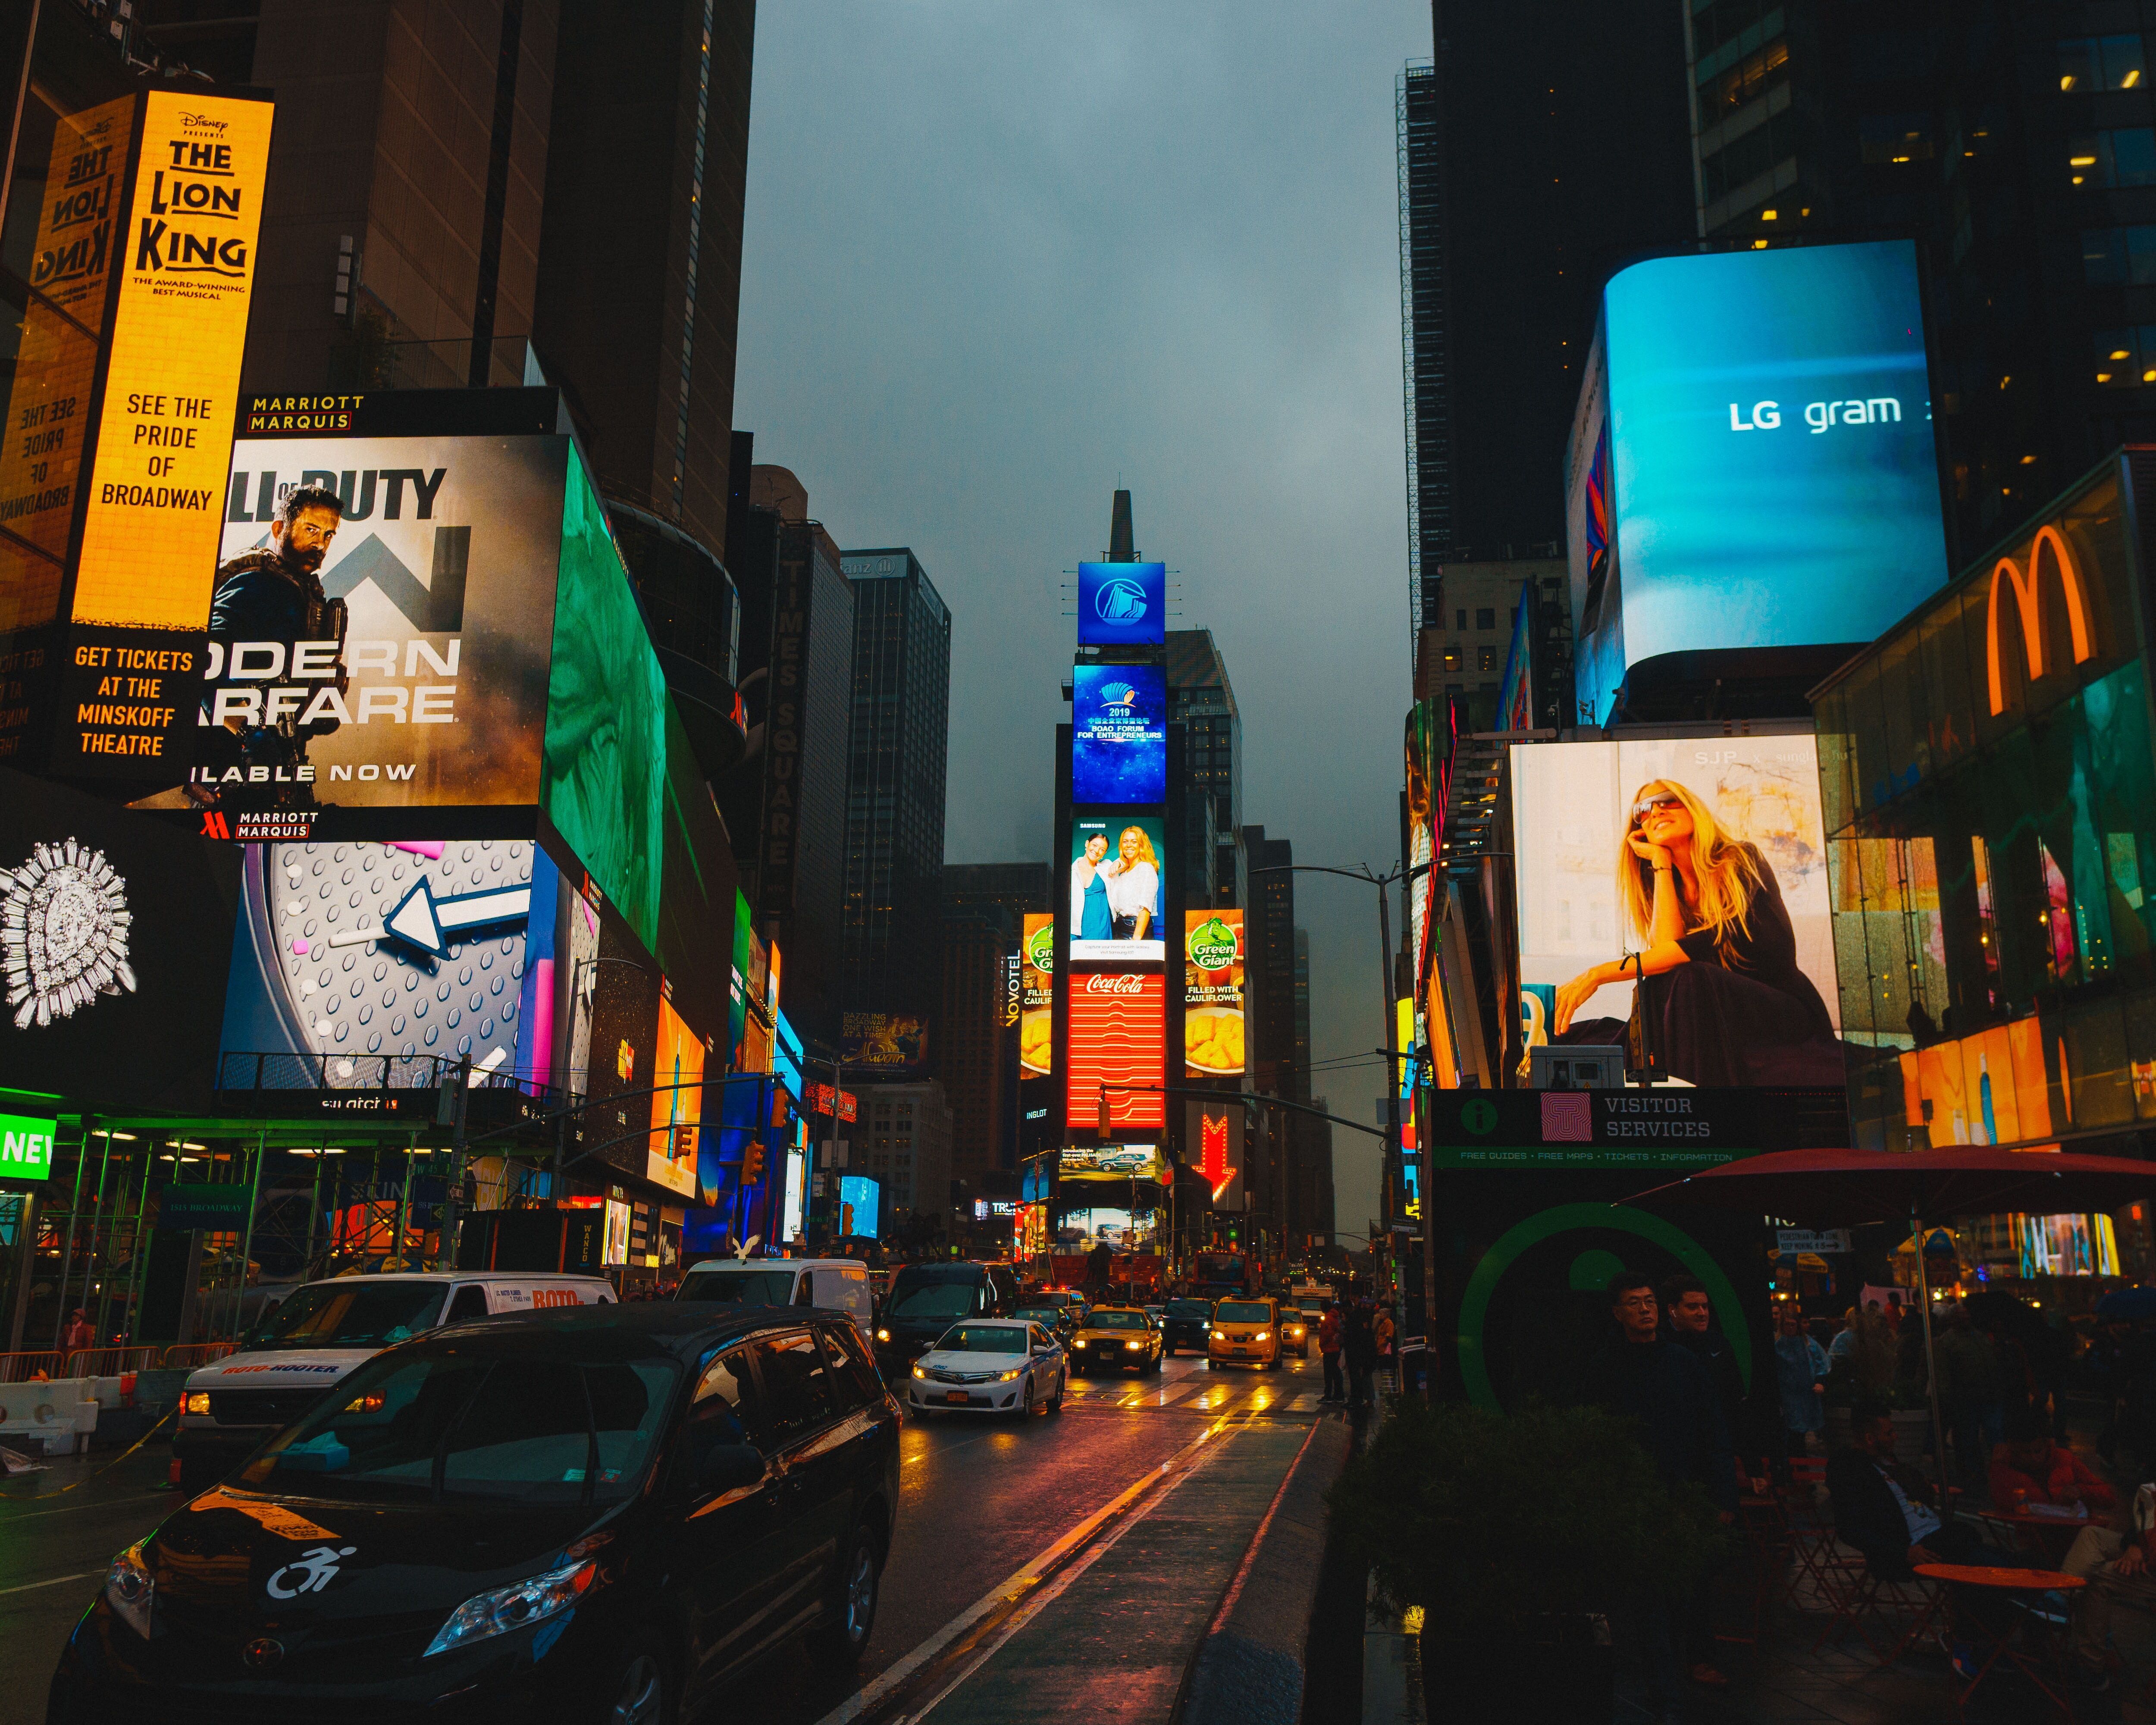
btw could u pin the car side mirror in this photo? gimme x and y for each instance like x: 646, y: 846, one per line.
x: 730, y: 1467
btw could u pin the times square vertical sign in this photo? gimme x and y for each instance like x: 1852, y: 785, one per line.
x: 119, y: 429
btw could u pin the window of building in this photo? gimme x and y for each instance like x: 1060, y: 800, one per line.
x: 2125, y: 156
x: 1486, y: 617
x: 1891, y: 139
x: 1722, y: 92
x: 2118, y: 257
x: 2126, y: 358
x: 1459, y: 621
x: 1746, y: 158
x: 1452, y: 657
x: 2089, y: 62
x: 1485, y: 659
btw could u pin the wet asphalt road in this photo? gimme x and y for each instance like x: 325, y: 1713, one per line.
x: 981, y: 1498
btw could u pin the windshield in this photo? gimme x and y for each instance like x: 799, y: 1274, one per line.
x: 932, y: 1299
x: 1188, y: 1308
x: 446, y: 1426
x: 1116, y: 1321
x: 350, y: 1312
x: 1242, y: 1311
x: 983, y: 1338
x: 742, y: 1287
x: 1041, y: 1314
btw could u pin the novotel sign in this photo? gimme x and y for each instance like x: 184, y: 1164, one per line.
x: 26, y: 1147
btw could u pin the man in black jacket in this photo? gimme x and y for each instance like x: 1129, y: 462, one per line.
x: 1665, y: 1388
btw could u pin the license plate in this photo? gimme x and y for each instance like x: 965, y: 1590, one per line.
x: 956, y: 1396
x: 1242, y: 1350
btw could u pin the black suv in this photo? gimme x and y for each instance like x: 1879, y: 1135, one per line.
x: 599, y: 1511
x: 1186, y: 1324
x: 927, y: 1299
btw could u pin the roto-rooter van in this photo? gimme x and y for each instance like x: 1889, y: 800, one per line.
x: 232, y: 1405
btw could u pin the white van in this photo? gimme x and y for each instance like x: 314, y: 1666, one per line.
x: 837, y: 1284
x: 311, y: 1340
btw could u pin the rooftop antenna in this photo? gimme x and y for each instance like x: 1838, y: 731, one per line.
x: 1120, y: 550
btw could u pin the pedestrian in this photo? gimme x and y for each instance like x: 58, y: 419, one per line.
x: 1972, y: 1387
x: 1800, y: 1378
x: 1665, y: 1388
x: 2115, y: 1561
x: 1329, y: 1336
x: 79, y: 1332
x: 2029, y: 1467
x: 1361, y: 1348
x: 1381, y: 1336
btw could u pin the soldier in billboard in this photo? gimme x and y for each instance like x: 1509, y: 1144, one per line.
x: 273, y: 594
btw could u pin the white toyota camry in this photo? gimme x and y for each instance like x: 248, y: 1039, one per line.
x: 994, y: 1365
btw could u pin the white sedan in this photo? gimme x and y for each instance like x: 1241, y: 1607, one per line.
x: 991, y: 1365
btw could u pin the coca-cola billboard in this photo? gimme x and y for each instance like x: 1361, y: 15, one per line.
x: 1118, y: 1036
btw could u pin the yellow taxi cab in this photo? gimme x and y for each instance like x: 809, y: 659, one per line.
x: 1244, y: 1332
x: 1294, y: 1332
x: 1116, y: 1338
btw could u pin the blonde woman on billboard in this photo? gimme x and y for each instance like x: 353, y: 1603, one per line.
x: 1723, y: 997
x: 1090, y: 919
x: 1133, y: 886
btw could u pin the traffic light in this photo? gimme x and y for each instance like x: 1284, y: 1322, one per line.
x: 752, y: 1164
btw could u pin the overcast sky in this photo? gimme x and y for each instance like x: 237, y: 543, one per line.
x: 1000, y: 257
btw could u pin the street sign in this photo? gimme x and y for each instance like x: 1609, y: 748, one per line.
x: 215, y: 1210
x: 1789, y: 1241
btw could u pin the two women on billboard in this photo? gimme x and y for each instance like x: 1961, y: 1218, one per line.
x: 1722, y: 999
x: 1116, y: 890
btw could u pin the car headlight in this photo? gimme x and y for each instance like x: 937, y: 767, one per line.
x: 130, y: 1589
x: 198, y: 1403
x: 1014, y: 1371
x: 883, y: 1335
x: 1204, y: 1325
x: 1134, y: 1346
x: 510, y: 1607
x: 919, y: 1373
x: 1261, y: 1336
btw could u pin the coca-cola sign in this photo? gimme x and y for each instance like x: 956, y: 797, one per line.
x: 1123, y: 983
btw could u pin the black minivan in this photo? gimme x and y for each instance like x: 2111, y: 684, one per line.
x: 925, y: 1300
x: 592, y: 1513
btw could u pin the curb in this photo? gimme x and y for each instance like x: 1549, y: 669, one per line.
x: 1248, y: 1666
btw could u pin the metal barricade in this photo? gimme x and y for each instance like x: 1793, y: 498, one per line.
x: 110, y: 1362
x: 190, y: 1354
x: 22, y: 1368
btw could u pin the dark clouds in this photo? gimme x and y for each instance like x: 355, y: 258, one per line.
x: 999, y: 257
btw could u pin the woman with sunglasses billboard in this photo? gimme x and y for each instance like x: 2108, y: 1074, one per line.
x: 1722, y: 995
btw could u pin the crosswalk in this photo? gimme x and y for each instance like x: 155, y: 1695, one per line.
x: 1195, y: 1390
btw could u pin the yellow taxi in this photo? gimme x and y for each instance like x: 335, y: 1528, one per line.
x: 1295, y: 1328
x: 1116, y: 1338
x: 1244, y: 1332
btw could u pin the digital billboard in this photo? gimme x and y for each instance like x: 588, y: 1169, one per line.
x: 1773, y: 477
x: 1123, y: 605
x: 115, y: 933
x: 860, y: 1207
x: 1215, y: 1135
x: 1118, y: 889
x: 1119, y: 733
x: 1213, y: 978
x: 186, y: 266
x: 1118, y: 1036
x: 1036, y: 1033
x: 381, y: 958
x: 419, y: 678
x: 676, y: 1114
x: 1710, y: 847
x: 883, y: 1044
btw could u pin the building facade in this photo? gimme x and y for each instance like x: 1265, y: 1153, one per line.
x: 1467, y: 638
x: 975, y: 1050
x: 899, y: 750
x: 904, y: 1143
x: 1202, y: 699
x: 1018, y: 889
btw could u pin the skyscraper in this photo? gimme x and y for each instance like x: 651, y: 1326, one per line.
x: 1526, y: 174
x: 976, y: 1039
x: 1018, y: 888
x: 2017, y: 147
x: 898, y: 749
x: 1203, y: 700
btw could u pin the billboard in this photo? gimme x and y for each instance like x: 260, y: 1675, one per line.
x: 1212, y: 980
x: 115, y: 933
x: 1772, y: 479
x: 1215, y: 1134
x: 860, y: 1205
x: 1123, y: 605
x: 1119, y: 733
x: 676, y: 1114
x: 1601, y: 831
x: 1118, y: 1036
x: 1036, y: 1032
x: 1112, y: 1162
x: 419, y: 679
x: 381, y: 958
x: 883, y: 1044
x: 1118, y: 889
x: 186, y: 269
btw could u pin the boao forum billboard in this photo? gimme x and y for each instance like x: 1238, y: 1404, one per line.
x: 1772, y: 474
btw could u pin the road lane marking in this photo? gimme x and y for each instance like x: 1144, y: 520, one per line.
x: 28, y: 1587
x: 985, y: 1614
x: 69, y: 1509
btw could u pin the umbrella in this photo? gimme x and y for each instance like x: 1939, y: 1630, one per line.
x: 1836, y: 1188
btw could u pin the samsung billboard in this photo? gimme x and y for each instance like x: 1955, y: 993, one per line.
x: 1753, y: 464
